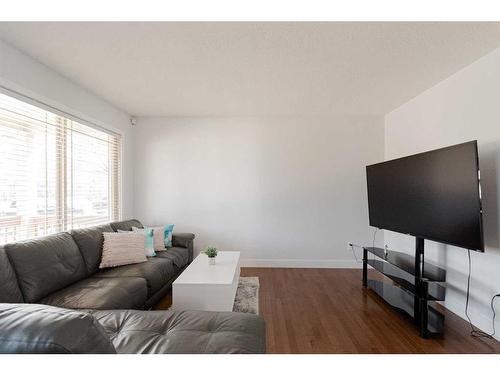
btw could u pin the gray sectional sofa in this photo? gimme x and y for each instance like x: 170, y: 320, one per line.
x: 63, y: 270
x: 93, y: 310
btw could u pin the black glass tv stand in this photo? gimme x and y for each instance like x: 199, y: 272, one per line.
x: 410, y: 285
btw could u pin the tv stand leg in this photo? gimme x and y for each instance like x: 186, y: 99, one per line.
x: 365, y: 267
x: 424, y: 312
x: 419, y: 274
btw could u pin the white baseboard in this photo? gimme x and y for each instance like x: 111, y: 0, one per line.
x: 301, y: 263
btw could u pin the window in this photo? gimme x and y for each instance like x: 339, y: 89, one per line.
x: 56, y: 174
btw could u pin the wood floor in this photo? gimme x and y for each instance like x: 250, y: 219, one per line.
x: 328, y: 311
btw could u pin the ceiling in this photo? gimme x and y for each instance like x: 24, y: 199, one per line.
x: 236, y: 69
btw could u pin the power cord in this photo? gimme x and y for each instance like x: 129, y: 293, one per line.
x: 374, y: 236
x: 473, y: 331
x: 353, y: 245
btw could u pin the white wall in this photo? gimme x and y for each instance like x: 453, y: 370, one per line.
x: 286, y: 191
x: 25, y: 75
x: 464, y: 107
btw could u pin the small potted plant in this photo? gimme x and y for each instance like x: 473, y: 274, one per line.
x: 211, y: 253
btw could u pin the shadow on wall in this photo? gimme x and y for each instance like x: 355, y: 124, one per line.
x: 489, y: 162
x: 441, y: 253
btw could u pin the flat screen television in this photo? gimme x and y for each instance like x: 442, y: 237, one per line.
x: 435, y: 195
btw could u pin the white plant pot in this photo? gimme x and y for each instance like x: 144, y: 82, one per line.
x: 211, y: 261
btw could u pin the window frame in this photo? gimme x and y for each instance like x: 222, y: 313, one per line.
x: 115, y: 178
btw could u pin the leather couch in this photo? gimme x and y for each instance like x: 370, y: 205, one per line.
x: 95, y: 311
x: 31, y: 328
x: 63, y: 270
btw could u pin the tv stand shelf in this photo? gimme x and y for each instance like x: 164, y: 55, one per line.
x: 411, y: 285
x: 436, y: 291
x: 404, y: 301
x: 406, y: 262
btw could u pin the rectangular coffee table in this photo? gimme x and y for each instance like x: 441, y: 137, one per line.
x: 208, y: 287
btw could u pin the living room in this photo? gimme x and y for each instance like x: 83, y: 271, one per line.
x: 209, y: 187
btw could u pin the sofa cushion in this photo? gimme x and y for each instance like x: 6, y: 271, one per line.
x: 156, y: 271
x: 101, y: 293
x: 126, y: 225
x: 179, y: 332
x: 26, y: 328
x: 9, y: 288
x: 44, y: 265
x: 178, y: 255
x: 89, y: 241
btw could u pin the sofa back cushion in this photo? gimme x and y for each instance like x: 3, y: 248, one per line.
x: 26, y: 328
x: 126, y: 225
x: 45, y: 265
x: 9, y: 288
x: 89, y: 241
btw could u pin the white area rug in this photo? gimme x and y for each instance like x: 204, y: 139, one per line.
x: 247, y: 296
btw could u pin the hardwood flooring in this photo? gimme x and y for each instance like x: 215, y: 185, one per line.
x: 328, y: 311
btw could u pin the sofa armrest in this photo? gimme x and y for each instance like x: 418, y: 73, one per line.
x: 184, y: 240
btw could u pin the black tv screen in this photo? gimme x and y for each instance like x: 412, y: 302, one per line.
x: 433, y: 195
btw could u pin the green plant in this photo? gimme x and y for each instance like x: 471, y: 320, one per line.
x: 211, y: 252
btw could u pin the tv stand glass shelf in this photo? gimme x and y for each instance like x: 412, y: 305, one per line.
x: 409, y: 285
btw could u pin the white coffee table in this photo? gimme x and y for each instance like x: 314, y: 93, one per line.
x: 208, y: 287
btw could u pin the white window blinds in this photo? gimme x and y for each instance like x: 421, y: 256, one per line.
x: 55, y: 174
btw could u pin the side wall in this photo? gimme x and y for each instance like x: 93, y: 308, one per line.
x: 286, y: 191
x: 23, y: 74
x: 464, y: 107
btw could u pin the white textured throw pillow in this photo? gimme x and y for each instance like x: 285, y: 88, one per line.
x: 158, y: 237
x: 122, y: 248
x: 149, y: 247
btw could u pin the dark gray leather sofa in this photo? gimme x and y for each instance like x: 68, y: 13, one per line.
x: 93, y: 310
x: 63, y: 270
x: 30, y: 328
